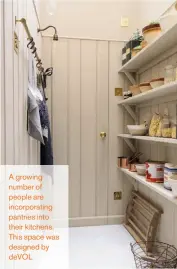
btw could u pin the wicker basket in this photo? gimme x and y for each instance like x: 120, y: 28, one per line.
x: 162, y: 255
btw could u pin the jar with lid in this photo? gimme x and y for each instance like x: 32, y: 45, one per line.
x: 169, y: 74
x: 175, y: 67
x: 170, y: 171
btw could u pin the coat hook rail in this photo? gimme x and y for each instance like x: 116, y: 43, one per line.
x: 31, y: 44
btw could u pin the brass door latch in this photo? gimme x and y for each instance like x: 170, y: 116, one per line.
x: 103, y: 135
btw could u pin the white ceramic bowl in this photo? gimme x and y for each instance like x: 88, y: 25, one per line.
x: 141, y: 169
x: 167, y: 21
x: 173, y: 185
x: 137, y: 129
x: 156, y: 84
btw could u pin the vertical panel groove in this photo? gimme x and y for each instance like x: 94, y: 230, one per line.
x: 108, y: 133
x: 68, y: 108
x: 14, y: 149
x: 9, y: 90
x: 3, y: 101
x: 80, y: 127
x: 96, y: 130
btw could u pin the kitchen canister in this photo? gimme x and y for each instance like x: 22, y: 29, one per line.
x: 155, y: 171
x: 170, y: 171
x: 169, y: 74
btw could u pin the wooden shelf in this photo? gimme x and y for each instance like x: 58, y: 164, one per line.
x: 157, y: 187
x: 163, y: 43
x: 150, y: 139
x: 165, y: 90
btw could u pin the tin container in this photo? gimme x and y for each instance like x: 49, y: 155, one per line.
x: 170, y: 172
x: 155, y: 171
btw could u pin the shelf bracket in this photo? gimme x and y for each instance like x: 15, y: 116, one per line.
x: 130, y: 77
x: 130, y: 144
x: 133, y: 181
x: 131, y: 112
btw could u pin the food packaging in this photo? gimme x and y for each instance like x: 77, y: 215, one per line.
x: 173, y: 132
x: 155, y: 83
x: 166, y: 130
x: 173, y: 128
x: 170, y: 171
x: 144, y: 87
x: 159, y: 129
x: 135, y: 90
x: 141, y: 169
x: 154, y: 125
x: 151, y: 32
x: 155, y: 171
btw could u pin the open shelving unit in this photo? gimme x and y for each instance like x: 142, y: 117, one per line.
x: 165, y: 90
x: 159, y: 46
x: 163, y: 43
x: 157, y: 187
x: 150, y: 139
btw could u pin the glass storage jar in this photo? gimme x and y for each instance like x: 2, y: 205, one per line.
x: 169, y: 74
x: 176, y: 72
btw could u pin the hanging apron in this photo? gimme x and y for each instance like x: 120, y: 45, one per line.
x: 33, y: 117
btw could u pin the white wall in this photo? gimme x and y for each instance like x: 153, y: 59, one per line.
x: 17, y: 147
x: 100, y: 19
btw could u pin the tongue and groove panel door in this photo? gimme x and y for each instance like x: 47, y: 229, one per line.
x: 80, y: 124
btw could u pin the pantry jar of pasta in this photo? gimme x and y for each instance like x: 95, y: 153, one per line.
x: 166, y: 129
x: 173, y: 130
x: 155, y: 122
x: 169, y: 74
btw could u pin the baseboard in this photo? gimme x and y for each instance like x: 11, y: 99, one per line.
x: 92, y: 221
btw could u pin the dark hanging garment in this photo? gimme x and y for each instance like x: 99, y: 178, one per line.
x: 47, y: 151
x: 46, y: 155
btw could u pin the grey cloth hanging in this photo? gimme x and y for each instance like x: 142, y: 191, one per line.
x: 34, y: 122
x: 33, y: 115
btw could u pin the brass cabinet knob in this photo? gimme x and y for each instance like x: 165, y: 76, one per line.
x: 103, y: 135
